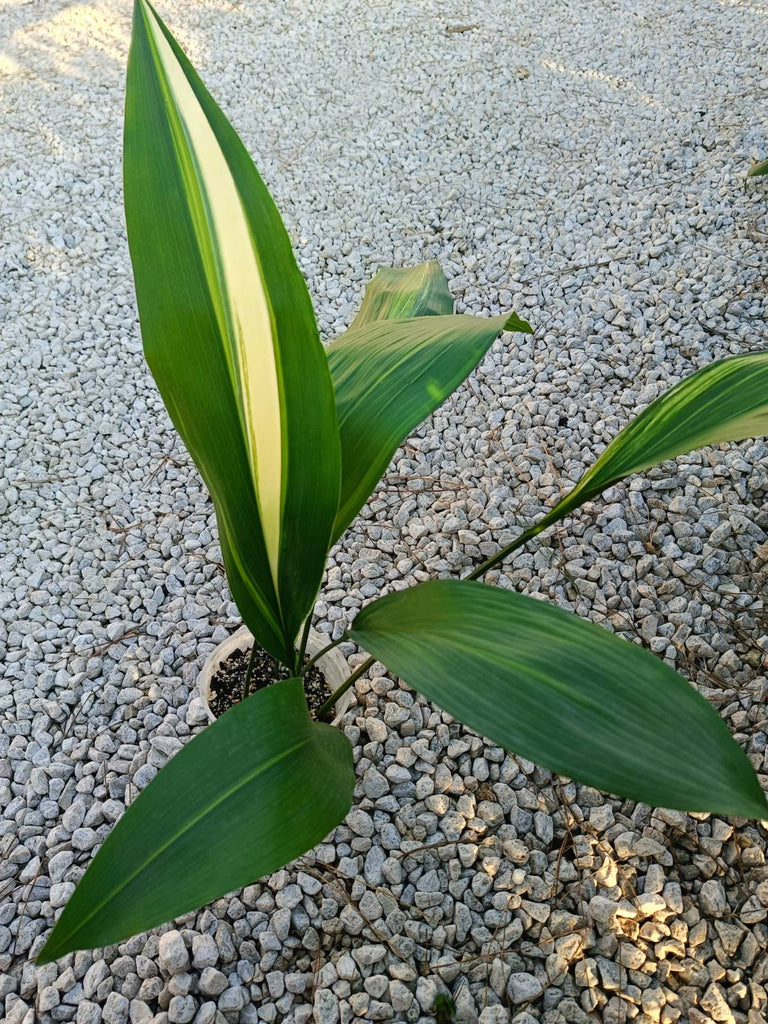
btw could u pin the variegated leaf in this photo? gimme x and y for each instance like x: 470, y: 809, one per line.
x: 402, y: 357
x: 725, y: 401
x: 230, y: 336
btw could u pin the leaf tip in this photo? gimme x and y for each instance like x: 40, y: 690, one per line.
x: 50, y: 950
x: 515, y: 323
x: 758, y: 805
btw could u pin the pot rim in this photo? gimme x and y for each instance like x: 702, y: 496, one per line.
x: 333, y: 664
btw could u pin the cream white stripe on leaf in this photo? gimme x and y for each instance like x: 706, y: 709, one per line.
x: 244, y: 312
x: 723, y: 402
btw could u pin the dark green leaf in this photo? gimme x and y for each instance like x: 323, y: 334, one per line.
x: 256, y: 789
x: 725, y: 401
x: 389, y: 375
x: 562, y: 692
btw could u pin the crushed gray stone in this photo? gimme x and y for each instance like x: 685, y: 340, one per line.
x: 557, y: 163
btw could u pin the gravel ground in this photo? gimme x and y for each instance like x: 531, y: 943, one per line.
x: 581, y: 162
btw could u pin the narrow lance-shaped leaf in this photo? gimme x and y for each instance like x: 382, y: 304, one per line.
x: 758, y: 169
x: 725, y: 401
x: 389, y: 375
x: 256, y: 789
x: 230, y: 335
x: 563, y: 692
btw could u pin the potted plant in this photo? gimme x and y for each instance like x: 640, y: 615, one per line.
x: 291, y: 439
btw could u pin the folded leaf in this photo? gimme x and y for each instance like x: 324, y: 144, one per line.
x: 229, y: 335
x: 397, y: 294
x: 389, y: 375
x: 562, y: 692
x: 725, y: 401
x: 256, y: 789
x: 757, y: 169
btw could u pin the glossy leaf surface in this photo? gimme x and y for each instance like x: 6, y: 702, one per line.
x: 230, y: 336
x: 389, y: 375
x: 563, y: 692
x: 254, y: 790
x: 396, y: 293
x: 725, y: 401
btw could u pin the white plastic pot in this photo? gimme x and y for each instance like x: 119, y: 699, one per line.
x: 333, y: 664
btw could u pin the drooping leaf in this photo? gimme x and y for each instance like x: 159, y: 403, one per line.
x: 757, y: 169
x: 229, y: 335
x: 389, y: 375
x: 725, y: 401
x: 256, y: 789
x: 396, y: 293
x: 562, y: 692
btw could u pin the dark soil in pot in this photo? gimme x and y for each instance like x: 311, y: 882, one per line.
x: 228, y: 679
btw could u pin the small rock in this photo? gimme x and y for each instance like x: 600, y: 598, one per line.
x: 140, y: 1012
x: 326, y: 1007
x: 400, y: 996
x: 88, y: 1013
x: 48, y: 998
x: 712, y: 898
x: 116, y: 1009
x: 205, y: 952
x: 212, y: 982
x: 494, y: 1015
x: 84, y: 839
x: 714, y: 1003
x: 523, y: 988
x: 233, y: 1000
x: 173, y: 953
x: 181, y: 1009
x: 366, y: 956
